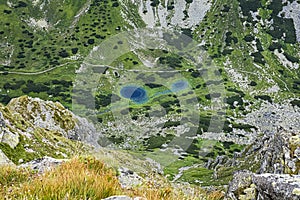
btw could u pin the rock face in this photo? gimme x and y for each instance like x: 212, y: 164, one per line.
x: 276, y: 175
x: 31, y: 128
x: 278, y: 153
x: 175, y: 13
x: 248, y: 186
x: 53, y: 116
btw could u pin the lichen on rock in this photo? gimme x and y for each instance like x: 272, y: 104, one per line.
x: 31, y: 128
x: 264, y: 186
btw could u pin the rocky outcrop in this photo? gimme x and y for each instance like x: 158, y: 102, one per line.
x: 31, y: 128
x: 276, y: 175
x: 43, y: 164
x: 250, y: 186
x: 6, y: 136
x: 128, y: 178
x: 53, y: 116
x: 278, y: 153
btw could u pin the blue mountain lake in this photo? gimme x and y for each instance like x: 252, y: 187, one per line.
x: 134, y: 93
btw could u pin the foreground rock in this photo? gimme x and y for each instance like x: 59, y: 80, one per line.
x: 269, y: 168
x: 55, y: 117
x: 31, y: 128
x: 43, y: 164
x: 277, y: 153
x: 248, y: 186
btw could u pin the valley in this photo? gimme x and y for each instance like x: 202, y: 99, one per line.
x: 192, y: 85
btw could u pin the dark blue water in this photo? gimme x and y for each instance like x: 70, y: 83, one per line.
x: 139, y: 95
x: 134, y: 93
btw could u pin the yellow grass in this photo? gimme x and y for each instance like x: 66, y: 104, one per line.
x: 79, y: 178
x: 82, y: 178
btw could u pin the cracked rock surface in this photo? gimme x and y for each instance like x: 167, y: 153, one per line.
x: 247, y: 185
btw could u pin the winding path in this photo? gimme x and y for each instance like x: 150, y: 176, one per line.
x: 39, y: 72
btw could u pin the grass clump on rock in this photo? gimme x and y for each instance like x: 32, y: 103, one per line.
x: 78, y: 178
x: 83, y: 178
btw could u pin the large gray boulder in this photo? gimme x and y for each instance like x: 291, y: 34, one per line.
x: 249, y: 186
x: 54, y: 116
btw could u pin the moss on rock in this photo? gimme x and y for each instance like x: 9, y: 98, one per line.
x: 25, y: 135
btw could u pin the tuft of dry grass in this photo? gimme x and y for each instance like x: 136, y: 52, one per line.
x: 215, y: 195
x: 10, y: 176
x: 83, y: 178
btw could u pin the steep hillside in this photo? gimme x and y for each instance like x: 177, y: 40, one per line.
x: 41, y: 141
x: 201, y: 87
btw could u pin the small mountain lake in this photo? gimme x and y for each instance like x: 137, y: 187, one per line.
x: 134, y: 93
x: 179, y: 85
x: 139, y: 95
